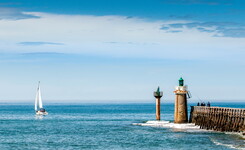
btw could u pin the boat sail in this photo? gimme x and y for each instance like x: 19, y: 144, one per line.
x: 38, y: 103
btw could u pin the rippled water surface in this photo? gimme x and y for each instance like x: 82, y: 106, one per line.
x: 102, y: 126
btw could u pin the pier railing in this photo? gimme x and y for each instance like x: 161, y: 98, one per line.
x: 218, y: 118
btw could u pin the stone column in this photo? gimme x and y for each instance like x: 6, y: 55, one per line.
x: 158, y: 96
x: 180, y: 113
x: 180, y: 109
x: 158, y: 108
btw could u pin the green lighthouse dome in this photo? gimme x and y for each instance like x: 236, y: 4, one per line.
x: 181, y: 82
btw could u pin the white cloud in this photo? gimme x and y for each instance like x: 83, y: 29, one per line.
x: 113, y: 35
x: 116, y: 36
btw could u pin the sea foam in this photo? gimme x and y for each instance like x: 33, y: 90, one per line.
x: 168, y: 124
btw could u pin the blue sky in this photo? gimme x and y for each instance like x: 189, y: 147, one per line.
x: 120, y: 51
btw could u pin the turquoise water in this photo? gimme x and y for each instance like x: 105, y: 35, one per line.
x: 102, y: 126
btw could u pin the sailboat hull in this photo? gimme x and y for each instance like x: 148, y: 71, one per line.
x: 41, y: 113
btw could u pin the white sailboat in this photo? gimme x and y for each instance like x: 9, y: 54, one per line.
x: 38, y: 103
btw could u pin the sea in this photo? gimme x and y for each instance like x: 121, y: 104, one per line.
x: 105, y: 126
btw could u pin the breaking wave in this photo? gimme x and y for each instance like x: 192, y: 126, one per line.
x: 233, y: 146
x: 168, y: 124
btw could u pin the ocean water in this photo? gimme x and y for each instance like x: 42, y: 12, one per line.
x: 104, y: 126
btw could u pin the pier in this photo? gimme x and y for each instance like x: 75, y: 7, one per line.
x: 218, y: 118
x: 210, y: 118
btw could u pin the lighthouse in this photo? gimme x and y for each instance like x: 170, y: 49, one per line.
x: 180, y: 111
x: 158, y: 96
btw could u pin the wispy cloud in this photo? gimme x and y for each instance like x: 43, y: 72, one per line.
x: 14, y: 14
x: 164, y: 28
x: 39, y: 43
x: 181, y: 16
x: 117, y: 36
x: 225, y: 29
x: 42, y: 53
x: 175, y: 31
